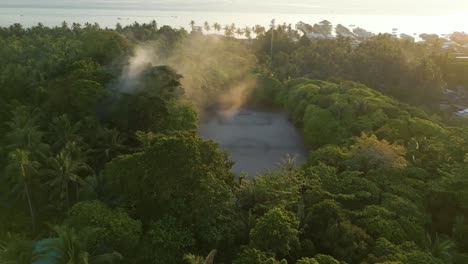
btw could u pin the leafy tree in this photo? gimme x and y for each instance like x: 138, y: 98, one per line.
x: 255, y: 256
x: 276, y: 232
x: 177, y: 173
x: 369, y: 153
x: 181, y: 117
x: 167, y: 241
x: 104, y: 46
x: 326, y: 259
x: 320, y: 127
x: 71, y: 247
x: 114, y: 228
x: 77, y: 98
x: 307, y: 261
x: 379, y: 222
x: 270, y: 190
x: 140, y: 112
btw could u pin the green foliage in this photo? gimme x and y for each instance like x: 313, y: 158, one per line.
x: 77, y: 125
x: 21, y: 171
x: 266, y: 91
x: 70, y: 246
x: 460, y: 232
x: 320, y: 127
x: 66, y: 171
x: 385, y: 251
x: 105, y: 46
x: 140, y: 112
x: 307, y: 261
x: 276, y: 232
x: 181, y: 117
x: 370, y: 153
x: 24, y: 132
x: 325, y: 259
x: 270, y: 190
x: 77, y: 98
x: 114, y: 228
x: 167, y: 241
x: 186, y: 173
x: 255, y: 256
x: 380, y: 222
x: 16, y: 250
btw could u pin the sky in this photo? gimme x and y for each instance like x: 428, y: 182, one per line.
x: 343, y: 7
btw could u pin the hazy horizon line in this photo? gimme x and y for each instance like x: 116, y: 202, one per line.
x: 287, y: 9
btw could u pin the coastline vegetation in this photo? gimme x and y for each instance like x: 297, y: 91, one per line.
x: 101, y: 162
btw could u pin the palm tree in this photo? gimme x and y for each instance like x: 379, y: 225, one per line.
x: 217, y: 27
x: 194, y: 259
x: 24, y: 132
x: 63, y: 131
x: 71, y: 247
x: 440, y: 248
x: 65, y: 170
x: 207, y: 26
x: 227, y: 31
x: 232, y: 27
x: 109, y: 145
x: 192, y: 25
x: 259, y: 30
x: 248, y: 32
x: 145, y: 139
x: 20, y: 171
x: 16, y: 250
x: 239, y: 32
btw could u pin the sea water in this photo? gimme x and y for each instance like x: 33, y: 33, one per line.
x: 114, y: 12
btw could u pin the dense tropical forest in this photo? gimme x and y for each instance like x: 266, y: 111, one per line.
x: 101, y: 161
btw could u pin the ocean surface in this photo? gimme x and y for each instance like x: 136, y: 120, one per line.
x: 429, y: 18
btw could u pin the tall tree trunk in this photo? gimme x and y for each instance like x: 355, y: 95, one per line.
x: 77, y: 193
x: 28, y: 198
x: 67, y: 196
x: 31, y: 210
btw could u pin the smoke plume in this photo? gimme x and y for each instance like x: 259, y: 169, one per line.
x: 216, y: 71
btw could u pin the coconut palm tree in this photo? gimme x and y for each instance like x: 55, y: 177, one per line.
x: 441, y: 248
x: 16, y: 250
x: 21, y: 169
x: 228, y: 31
x: 207, y: 26
x: 24, y: 132
x: 192, y: 25
x: 239, y: 32
x: 71, y: 247
x: 194, y: 259
x: 217, y: 27
x: 110, y: 144
x: 233, y: 27
x: 248, y: 32
x: 259, y: 30
x: 63, y: 131
x: 66, y: 169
